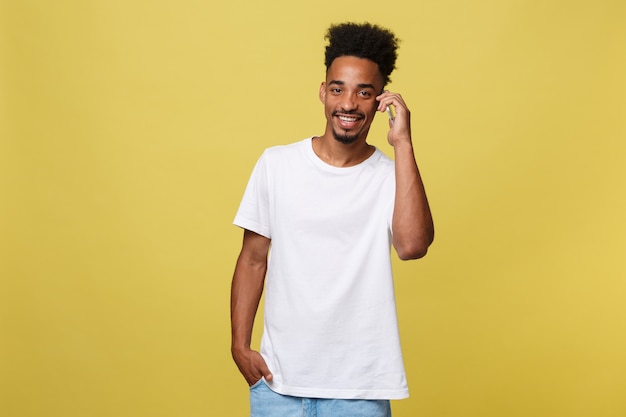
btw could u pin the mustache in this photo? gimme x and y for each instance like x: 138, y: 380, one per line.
x: 349, y: 113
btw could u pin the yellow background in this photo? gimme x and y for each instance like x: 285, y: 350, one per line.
x: 128, y: 131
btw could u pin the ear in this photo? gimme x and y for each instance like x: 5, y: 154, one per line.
x: 323, y: 92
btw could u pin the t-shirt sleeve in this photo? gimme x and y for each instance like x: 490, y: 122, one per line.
x: 389, y: 194
x: 253, y: 213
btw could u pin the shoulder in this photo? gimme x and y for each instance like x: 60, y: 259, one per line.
x: 285, y: 152
x: 382, y: 162
x: 288, y: 148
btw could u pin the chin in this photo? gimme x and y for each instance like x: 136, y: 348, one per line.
x: 345, y: 138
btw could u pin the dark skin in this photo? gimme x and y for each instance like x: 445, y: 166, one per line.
x: 246, y: 290
x: 351, y: 96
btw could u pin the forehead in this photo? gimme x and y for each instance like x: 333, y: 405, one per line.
x: 354, y: 70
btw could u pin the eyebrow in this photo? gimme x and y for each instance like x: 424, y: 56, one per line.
x: 338, y: 82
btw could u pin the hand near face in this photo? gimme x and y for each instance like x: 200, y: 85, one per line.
x: 400, y: 128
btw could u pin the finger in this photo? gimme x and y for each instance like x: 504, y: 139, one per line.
x: 257, y: 377
x: 263, y: 368
x: 382, y: 100
x: 389, y: 100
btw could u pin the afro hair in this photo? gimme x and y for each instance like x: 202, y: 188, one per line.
x: 363, y: 41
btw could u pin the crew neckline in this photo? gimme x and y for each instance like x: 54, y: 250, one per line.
x: 328, y: 167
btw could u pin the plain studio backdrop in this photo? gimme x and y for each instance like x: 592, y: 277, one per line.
x: 128, y: 130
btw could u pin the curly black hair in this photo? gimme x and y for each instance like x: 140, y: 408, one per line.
x: 363, y: 40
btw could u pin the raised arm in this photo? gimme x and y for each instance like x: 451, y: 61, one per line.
x: 412, y: 223
x: 246, y: 290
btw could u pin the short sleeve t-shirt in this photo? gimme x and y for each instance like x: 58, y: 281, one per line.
x: 330, y: 323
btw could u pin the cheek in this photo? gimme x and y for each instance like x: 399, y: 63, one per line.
x: 328, y: 109
x: 372, y: 108
x: 330, y: 103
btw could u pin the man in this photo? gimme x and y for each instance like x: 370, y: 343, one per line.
x: 331, y: 206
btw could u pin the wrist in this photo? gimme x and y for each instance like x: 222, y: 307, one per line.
x: 405, y: 145
x: 239, y: 347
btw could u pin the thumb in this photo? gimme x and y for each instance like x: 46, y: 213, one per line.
x: 261, y: 366
x: 265, y: 371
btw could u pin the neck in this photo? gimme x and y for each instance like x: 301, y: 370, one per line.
x: 338, y: 154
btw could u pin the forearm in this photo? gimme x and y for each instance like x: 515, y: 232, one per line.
x: 246, y: 290
x: 412, y: 223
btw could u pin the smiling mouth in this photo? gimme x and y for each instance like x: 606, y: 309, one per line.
x: 347, y: 120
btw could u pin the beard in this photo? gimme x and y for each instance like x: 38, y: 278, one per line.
x: 345, y: 138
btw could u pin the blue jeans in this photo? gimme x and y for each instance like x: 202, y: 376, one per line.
x: 266, y: 403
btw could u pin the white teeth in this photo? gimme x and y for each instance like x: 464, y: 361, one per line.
x: 347, y: 119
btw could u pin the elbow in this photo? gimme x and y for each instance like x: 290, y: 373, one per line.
x: 407, y: 254
x: 413, y: 249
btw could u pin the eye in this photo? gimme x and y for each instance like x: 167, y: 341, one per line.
x: 365, y: 94
x: 335, y: 90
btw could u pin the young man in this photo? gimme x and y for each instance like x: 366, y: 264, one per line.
x: 331, y: 206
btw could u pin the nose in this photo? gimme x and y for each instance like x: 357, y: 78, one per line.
x: 348, y: 103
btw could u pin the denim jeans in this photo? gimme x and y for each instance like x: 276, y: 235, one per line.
x: 266, y: 403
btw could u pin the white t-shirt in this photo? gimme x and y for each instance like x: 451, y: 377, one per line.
x: 330, y: 319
